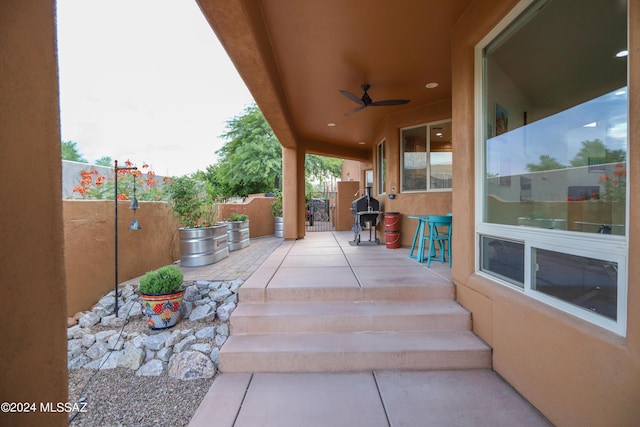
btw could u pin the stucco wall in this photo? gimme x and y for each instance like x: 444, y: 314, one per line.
x: 574, y: 372
x: 258, y: 208
x: 90, y: 246
x: 33, y: 353
x: 409, y: 203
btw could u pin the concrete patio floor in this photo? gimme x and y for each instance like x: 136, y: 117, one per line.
x: 473, y: 397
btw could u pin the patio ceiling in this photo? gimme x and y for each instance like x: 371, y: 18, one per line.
x: 296, y: 55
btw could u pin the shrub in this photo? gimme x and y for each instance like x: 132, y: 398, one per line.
x: 235, y: 216
x: 164, y: 280
x: 276, y: 206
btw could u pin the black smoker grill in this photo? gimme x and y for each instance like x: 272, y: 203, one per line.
x: 366, y: 212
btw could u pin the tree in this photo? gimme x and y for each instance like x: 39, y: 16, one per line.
x: 595, y: 152
x: 70, y: 152
x: 546, y: 163
x: 251, y: 159
x: 322, y: 168
x: 104, y: 161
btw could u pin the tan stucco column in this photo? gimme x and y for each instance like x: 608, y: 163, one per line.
x: 293, y: 192
x: 33, y: 353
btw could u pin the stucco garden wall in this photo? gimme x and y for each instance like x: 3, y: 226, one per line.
x: 258, y: 208
x: 90, y: 250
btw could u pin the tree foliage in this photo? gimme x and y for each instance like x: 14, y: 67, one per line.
x: 104, y: 161
x: 596, y: 150
x: 70, y: 152
x: 251, y: 159
x: 546, y: 163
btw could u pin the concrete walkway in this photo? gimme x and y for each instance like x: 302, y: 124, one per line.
x: 474, y: 397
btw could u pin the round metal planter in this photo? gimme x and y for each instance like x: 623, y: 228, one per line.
x: 203, y: 246
x: 237, y: 234
x: 278, y: 226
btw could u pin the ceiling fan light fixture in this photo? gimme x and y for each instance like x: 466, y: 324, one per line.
x: 431, y: 85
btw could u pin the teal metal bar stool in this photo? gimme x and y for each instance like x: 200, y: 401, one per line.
x: 418, y: 237
x: 440, y: 235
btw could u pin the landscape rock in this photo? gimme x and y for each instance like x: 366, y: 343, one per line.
x: 214, y: 356
x: 202, y: 347
x: 88, y: 340
x: 105, y: 335
x: 224, y: 311
x: 220, y: 295
x: 220, y: 339
x: 88, y: 320
x: 97, y: 350
x: 190, y: 365
x: 184, y: 344
x: 165, y: 354
x: 78, y: 362
x: 132, y: 358
x: 208, y: 332
x: 152, y: 368
x: 156, y: 342
x: 202, y: 313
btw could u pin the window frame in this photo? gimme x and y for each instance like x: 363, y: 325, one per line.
x: 428, y: 127
x: 381, y: 166
x: 611, y: 248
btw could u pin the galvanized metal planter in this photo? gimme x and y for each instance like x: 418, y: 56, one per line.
x: 203, y: 246
x: 278, y: 226
x: 237, y: 234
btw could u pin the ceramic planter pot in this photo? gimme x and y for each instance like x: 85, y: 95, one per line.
x: 163, y: 310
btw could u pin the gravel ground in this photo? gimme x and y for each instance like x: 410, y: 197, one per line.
x: 117, y: 397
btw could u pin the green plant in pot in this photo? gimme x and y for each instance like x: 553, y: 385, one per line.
x: 162, y: 292
x: 276, y: 211
x: 202, y: 242
x: 235, y: 216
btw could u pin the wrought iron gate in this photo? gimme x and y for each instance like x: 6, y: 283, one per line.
x: 321, y: 211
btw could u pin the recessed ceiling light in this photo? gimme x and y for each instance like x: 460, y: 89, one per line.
x: 331, y: 125
x: 361, y: 142
x: 439, y: 134
x: 622, y: 53
x: 431, y: 85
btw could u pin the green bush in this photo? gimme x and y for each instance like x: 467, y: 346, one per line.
x: 164, y: 280
x: 235, y: 216
x: 276, y: 206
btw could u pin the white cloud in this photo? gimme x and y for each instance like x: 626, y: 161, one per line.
x: 145, y: 80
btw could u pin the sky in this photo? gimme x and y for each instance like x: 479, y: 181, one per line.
x: 145, y: 81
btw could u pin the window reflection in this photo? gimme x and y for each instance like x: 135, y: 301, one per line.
x: 566, y: 171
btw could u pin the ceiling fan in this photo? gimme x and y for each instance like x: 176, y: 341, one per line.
x: 366, y: 101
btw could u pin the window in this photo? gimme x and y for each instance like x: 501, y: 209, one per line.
x: 382, y: 168
x: 553, y: 158
x: 426, y: 157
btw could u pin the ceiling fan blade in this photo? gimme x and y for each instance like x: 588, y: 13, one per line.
x: 352, y: 97
x: 355, y: 110
x: 389, y: 102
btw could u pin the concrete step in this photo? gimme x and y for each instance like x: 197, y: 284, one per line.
x: 361, y: 351
x: 434, y: 291
x: 360, y: 316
